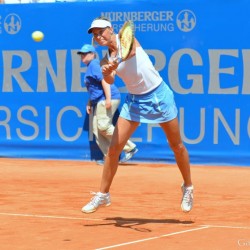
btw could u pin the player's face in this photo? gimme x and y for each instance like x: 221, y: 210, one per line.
x: 102, y: 35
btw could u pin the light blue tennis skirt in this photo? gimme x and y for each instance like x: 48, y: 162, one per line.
x: 157, y: 106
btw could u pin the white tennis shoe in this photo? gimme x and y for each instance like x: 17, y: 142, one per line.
x: 99, y: 199
x: 187, y: 198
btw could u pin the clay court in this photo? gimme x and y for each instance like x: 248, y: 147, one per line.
x: 41, y: 204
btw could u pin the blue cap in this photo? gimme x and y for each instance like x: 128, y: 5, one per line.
x: 86, y: 48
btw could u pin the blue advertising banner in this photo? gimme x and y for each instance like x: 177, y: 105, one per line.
x: 201, y: 49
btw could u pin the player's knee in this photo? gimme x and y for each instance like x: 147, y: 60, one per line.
x: 178, y: 148
x: 113, y: 152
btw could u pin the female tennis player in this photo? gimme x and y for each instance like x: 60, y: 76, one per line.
x: 149, y: 100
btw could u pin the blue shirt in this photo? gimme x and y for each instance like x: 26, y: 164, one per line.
x: 92, y: 80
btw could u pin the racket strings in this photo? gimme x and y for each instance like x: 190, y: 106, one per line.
x: 127, y: 39
x: 124, y: 43
x: 118, y: 56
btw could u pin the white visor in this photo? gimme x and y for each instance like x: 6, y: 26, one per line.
x: 99, y: 24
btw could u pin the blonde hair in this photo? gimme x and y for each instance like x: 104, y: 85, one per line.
x: 102, y: 18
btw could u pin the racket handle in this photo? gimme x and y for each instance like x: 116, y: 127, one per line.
x: 118, y: 60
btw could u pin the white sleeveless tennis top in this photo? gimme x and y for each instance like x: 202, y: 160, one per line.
x: 138, y: 73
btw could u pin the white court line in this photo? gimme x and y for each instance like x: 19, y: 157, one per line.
x: 230, y: 227
x: 103, y: 219
x: 50, y: 217
x: 153, y: 238
x: 122, y: 244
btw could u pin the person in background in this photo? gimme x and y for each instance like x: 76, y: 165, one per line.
x: 104, y: 100
x: 149, y: 100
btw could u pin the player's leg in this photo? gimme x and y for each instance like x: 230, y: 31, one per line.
x: 123, y: 131
x: 172, y: 132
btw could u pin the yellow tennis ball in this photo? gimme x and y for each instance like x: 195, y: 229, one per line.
x: 37, y: 36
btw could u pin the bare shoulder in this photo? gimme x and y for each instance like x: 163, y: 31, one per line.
x: 136, y: 43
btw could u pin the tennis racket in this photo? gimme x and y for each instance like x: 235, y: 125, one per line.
x: 126, y: 36
x: 125, y: 40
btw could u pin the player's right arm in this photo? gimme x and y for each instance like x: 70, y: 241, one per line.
x: 108, y: 70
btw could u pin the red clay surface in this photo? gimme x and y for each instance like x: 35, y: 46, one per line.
x: 41, y: 200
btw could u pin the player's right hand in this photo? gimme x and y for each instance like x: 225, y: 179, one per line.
x: 108, y: 69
